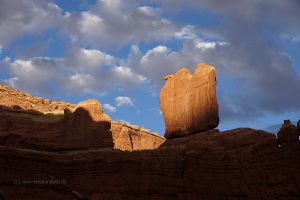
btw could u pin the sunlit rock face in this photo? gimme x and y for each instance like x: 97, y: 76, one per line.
x: 35, y: 123
x: 130, y: 137
x: 188, y: 101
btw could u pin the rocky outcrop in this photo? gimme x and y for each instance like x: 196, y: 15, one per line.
x: 288, y: 133
x: 130, y: 137
x: 32, y: 122
x: 188, y: 101
x: 86, y: 126
x: 49, y: 155
x: 236, y: 164
x: 14, y: 98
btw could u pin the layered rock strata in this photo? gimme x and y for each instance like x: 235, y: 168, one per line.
x: 32, y: 122
x: 237, y: 164
x: 130, y: 137
x: 86, y: 126
x: 188, y: 101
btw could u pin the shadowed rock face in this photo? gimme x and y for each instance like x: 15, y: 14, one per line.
x: 188, y: 101
x: 84, y: 127
x: 32, y: 122
x: 236, y: 164
x: 288, y: 133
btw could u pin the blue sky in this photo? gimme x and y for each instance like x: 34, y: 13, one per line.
x: 118, y: 51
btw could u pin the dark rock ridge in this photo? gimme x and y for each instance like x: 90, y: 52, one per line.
x: 74, y: 153
x: 236, y: 164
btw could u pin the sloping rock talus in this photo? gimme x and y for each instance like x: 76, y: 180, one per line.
x: 188, y: 101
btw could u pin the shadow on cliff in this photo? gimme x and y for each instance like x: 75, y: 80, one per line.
x: 55, y: 131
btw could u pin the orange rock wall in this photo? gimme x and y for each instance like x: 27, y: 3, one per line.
x: 188, y: 101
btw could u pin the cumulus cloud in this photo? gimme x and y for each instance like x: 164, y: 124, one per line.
x: 82, y: 71
x: 26, y: 17
x: 263, y: 76
x: 113, y: 23
x: 110, y: 108
x: 254, y: 67
x: 126, y: 75
x: 124, y: 101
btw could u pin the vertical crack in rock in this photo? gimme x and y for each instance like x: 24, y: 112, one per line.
x: 188, y: 101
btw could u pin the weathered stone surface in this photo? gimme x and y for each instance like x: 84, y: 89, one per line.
x: 129, y: 137
x: 236, y: 164
x: 14, y: 98
x: 188, y: 101
x: 27, y: 122
x: 75, y: 129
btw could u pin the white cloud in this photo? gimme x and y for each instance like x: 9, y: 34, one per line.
x: 88, y: 22
x: 115, y: 23
x: 209, y: 45
x: 123, y: 100
x: 81, y: 83
x: 26, y: 17
x: 149, y: 11
x: 127, y: 75
x: 82, y: 71
x: 91, y: 59
x: 110, y: 108
x: 187, y: 32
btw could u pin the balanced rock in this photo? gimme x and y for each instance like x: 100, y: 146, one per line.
x: 188, y: 101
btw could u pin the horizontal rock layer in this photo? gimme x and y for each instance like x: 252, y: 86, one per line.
x: 130, y: 137
x: 236, y: 164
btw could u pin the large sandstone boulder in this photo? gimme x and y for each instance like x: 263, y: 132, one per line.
x: 129, y: 137
x: 188, y: 101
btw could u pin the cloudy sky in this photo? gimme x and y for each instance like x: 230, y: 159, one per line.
x: 118, y: 51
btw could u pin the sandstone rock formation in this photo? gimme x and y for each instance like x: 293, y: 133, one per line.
x: 239, y: 164
x: 236, y: 164
x: 14, y: 98
x: 32, y: 122
x: 129, y: 137
x: 82, y: 127
x: 188, y: 101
